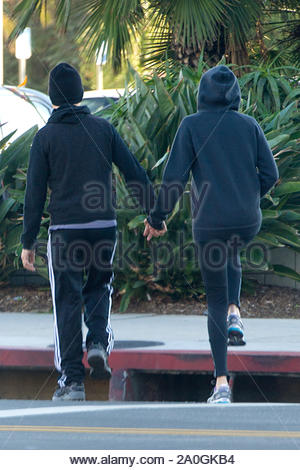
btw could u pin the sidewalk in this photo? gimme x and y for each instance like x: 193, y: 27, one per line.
x: 175, y: 332
x: 154, y: 344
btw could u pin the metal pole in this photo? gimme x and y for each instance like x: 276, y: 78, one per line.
x: 1, y: 43
x: 22, y: 70
x: 99, y: 77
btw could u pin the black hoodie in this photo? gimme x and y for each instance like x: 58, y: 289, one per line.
x: 230, y: 160
x: 73, y: 155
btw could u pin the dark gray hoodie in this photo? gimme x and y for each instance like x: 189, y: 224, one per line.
x: 231, y: 163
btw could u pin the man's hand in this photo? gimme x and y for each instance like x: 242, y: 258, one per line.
x: 28, y: 259
x: 150, y: 232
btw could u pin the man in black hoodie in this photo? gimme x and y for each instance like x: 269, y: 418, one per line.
x: 73, y: 156
x: 232, y: 168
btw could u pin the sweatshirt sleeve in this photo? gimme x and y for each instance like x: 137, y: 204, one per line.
x: 267, y: 168
x: 175, y: 177
x: 35, y: 194
x: 135, y: 176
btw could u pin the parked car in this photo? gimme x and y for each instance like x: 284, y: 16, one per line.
x: 39, y: 100
x: 97, y: 100
x: 22, y: 108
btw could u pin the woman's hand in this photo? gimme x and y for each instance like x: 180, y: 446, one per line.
x: 150, y: 232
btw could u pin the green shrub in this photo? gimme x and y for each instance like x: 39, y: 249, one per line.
x: 13, y: 166
x: 147, y: 117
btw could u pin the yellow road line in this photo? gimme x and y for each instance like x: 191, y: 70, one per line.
x: 153, y: 431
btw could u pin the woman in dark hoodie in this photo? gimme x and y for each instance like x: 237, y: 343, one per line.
x: 232, y: 168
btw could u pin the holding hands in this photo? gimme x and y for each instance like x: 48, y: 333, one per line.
x: 150, y: 232
x: 28, y: 256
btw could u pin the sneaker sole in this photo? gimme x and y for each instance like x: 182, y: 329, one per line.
x: 219, y: 402
x: 75, y: 397
x: 97, y: 364
x: 236, y: 337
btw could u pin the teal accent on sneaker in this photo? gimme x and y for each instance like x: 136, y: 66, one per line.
x: 235, y: 330
x: 221, y: 395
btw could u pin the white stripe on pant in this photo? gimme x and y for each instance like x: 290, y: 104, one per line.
x: 57, y: 352
x: 109, y: 328
x: 57, y: 356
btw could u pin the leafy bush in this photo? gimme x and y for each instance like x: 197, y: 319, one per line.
x: 13, y: 166
x: 147, y: 117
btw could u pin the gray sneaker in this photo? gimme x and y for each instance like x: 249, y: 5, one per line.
x: 72, y: 392
x: 221, y: 395
x: 97, y: 359
x: 235, y: 331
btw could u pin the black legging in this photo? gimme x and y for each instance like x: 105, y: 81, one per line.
x: 222, y: 275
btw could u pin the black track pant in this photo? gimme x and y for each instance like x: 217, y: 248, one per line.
x: 80, y: 272
x: 222, y: 277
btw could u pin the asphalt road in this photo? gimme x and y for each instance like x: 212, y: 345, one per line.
x: 169, y: 426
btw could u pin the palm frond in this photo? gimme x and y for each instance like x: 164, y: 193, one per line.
x: 239, y: 23
x: 191, y: 22
x: 110, y: 23
x: 23, y: 13
x: 178, y: 30
x: 63, y: 12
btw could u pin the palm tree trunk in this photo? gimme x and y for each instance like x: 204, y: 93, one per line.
x: 189, y: 55
x: 260, y: 39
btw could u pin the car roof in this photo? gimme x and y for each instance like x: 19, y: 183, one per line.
x: 30, y: 92
x: 107, y: 93
x: 17, y: 113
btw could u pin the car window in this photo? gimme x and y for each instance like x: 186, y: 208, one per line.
x: 96, y: 103
x: 16, y: 114
x: 41, y: 109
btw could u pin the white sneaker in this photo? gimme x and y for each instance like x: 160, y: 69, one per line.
x: 220, y: 395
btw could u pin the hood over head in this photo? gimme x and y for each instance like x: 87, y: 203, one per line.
x: 68, y: 114
x: 219, y: 89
